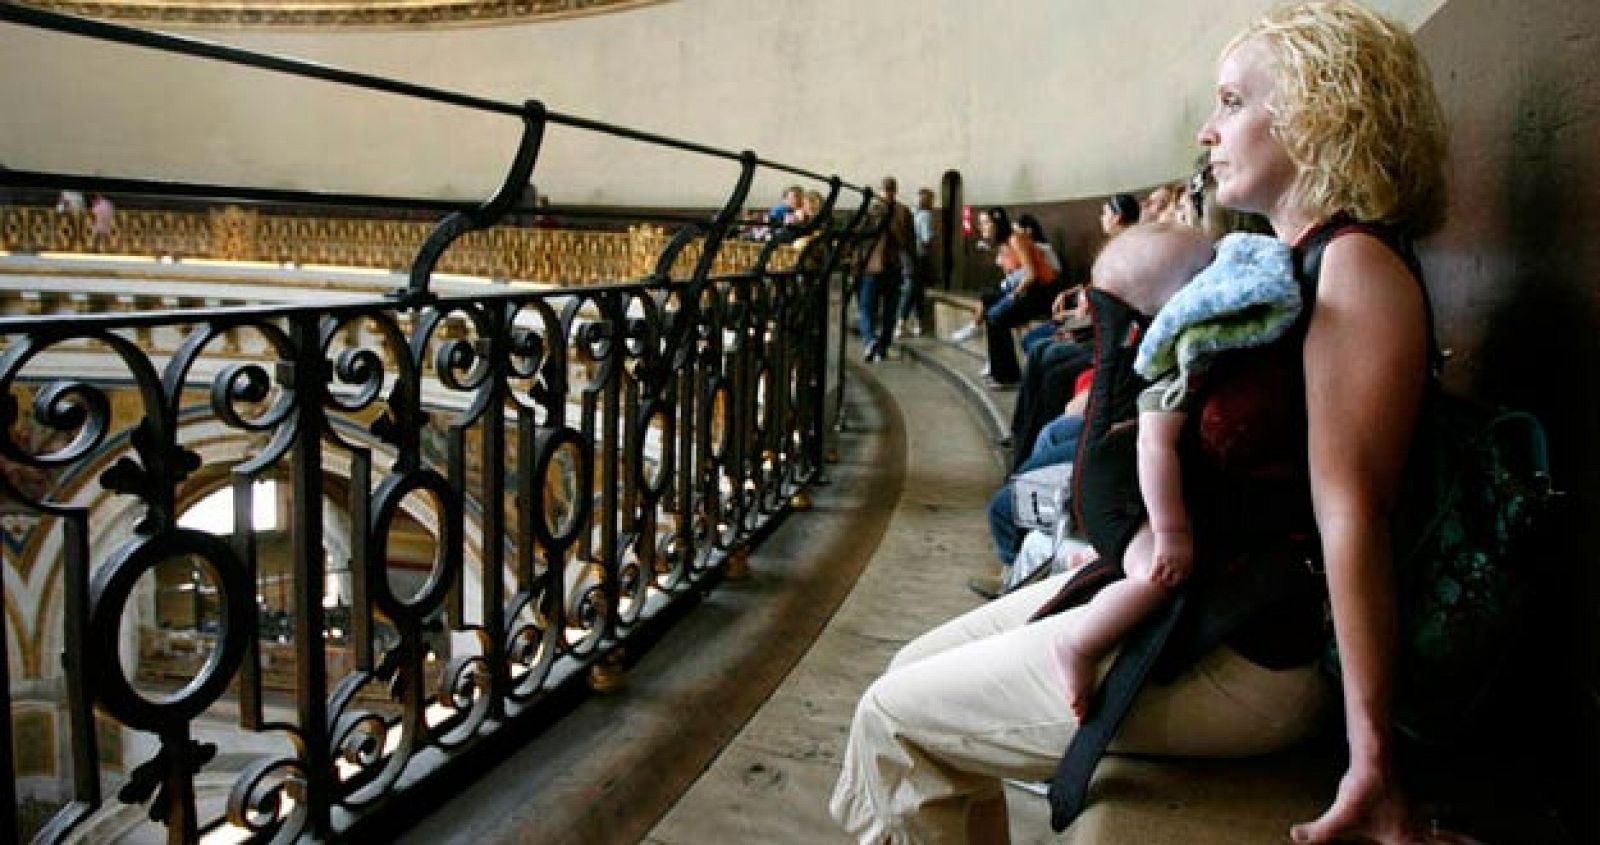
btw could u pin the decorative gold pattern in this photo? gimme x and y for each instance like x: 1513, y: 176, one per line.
x: 548, y: 256
x: 336, y: 14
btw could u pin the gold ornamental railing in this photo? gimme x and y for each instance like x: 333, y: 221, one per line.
x: 504, y: 253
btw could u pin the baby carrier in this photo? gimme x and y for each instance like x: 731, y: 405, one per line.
x: 1109, y: 510
x: 1106, y: 505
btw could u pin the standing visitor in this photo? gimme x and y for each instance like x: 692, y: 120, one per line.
x: 878, y: 294
x: 921, y: 276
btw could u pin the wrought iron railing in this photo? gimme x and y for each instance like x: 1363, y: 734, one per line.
x: 482, y: 501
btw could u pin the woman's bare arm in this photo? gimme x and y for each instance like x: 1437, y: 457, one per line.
x: 1028, y: 257
x: 1365, y: 364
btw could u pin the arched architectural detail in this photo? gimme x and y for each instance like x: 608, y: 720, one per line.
x: 32, y: 604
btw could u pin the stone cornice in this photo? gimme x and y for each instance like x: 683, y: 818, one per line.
x: 335, y: 14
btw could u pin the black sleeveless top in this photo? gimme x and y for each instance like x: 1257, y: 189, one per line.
x: 1247, y: 475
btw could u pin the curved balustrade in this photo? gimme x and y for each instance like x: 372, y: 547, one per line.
x: 564, y: 512
x: 482, y: 496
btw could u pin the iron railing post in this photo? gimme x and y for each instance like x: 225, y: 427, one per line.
x: 307, y: 374
x: 459, y: 223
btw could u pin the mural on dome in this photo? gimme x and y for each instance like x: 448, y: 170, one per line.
x: 334, y: 14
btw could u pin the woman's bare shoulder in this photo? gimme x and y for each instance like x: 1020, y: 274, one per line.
x: 1360, y: 268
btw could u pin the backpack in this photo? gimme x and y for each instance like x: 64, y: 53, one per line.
x: 1039, y: 498
x: 1467, y: 545
x: 1469, y: 555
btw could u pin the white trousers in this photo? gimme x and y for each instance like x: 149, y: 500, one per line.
x: 979, y: 699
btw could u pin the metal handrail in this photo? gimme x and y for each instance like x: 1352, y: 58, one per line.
x: 462, y: 218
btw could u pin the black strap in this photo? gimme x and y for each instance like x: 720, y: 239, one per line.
x: 1308, y: 256
x: 1080, y: 588
x: 1070, y: 786
x: 1201, y: 616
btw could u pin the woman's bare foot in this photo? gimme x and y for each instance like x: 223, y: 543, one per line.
x: 1077, y: 675
x: 1370, y: 808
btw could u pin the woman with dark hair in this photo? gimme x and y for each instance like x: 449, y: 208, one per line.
x: 1119, y: 212
x: 1030, y: 224
x: 1025, y: 294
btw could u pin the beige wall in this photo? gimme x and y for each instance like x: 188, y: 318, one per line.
x: 1031, y: 99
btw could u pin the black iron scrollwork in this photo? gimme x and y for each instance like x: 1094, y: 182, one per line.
x: 479, y: 497
x: 154, y: 778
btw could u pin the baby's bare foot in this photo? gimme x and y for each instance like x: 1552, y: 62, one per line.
x: 1079, y: 558
x: 1078, y: 676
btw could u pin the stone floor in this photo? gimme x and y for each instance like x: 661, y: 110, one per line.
x: 731, y: 728
x: 772, y: 782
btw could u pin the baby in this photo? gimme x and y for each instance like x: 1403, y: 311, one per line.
x: 1246, y: 297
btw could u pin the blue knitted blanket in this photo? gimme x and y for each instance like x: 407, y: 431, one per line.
x: 1246, y: 297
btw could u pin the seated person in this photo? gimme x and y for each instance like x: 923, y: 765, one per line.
x: 1330, y: 411
x: 1025, y: 295
x: 1052, y: 344
x: 1030, y: 224
x: 1049, y: 380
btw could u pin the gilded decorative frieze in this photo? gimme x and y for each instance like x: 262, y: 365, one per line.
x: 565, y: 257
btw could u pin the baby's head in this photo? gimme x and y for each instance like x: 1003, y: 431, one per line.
x: 1145, y: 265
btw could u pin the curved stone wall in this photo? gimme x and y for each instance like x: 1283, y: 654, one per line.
x: 1032, y: 100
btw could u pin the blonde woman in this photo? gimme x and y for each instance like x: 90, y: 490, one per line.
x: 1300, y: 135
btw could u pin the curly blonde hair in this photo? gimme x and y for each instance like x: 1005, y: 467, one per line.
x: 1355, y: 110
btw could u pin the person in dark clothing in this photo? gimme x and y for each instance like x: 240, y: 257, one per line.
x: 878, y: 296
x: 1054, y: 356
x: 1047, y: 383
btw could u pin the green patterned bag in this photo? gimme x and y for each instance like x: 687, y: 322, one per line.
x: 1467, y: 538
x: 1468, y: 552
